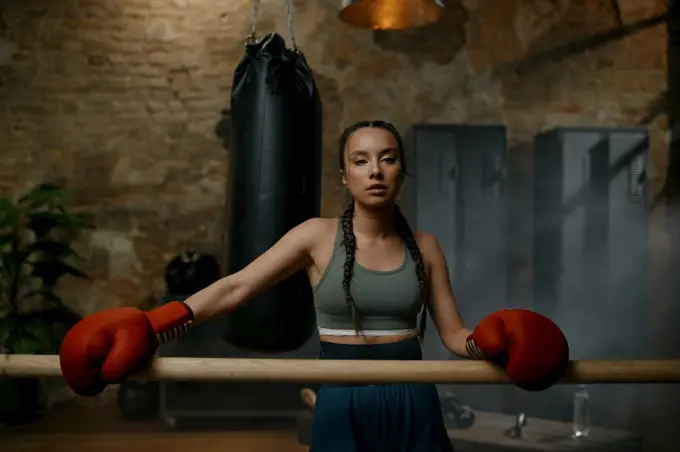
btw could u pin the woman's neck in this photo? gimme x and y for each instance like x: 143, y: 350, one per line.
x: 374, y: 223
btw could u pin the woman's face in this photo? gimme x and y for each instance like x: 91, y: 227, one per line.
x: 373, y: 167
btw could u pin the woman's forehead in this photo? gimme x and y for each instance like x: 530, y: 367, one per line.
x: 371, y: 140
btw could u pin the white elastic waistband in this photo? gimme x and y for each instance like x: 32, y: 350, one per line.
x: 336, y: 332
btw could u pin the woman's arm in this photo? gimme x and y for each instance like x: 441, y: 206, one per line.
x: 442, y: 303
x: 290, y: 254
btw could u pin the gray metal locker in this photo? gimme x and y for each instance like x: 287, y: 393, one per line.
x: 589, y: 255
x: 458, y: 195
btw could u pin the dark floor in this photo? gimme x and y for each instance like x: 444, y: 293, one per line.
x: 100, y: 429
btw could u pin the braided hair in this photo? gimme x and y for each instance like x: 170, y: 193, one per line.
x: 401, y: 226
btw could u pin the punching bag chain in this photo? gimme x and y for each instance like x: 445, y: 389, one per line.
x: 253, y: 27
x: 291, y: 29
x: 289, y: 18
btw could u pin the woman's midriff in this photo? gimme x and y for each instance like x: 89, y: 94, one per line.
x: 366, y: 340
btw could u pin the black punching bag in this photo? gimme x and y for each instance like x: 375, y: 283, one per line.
x: 274, y: 185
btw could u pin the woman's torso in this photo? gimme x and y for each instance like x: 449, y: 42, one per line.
x: 383, y: 263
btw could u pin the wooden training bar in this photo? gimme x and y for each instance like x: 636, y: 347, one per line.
x: 353, y: 371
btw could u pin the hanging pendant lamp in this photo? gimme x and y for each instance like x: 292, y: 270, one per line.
x: 391, y: 14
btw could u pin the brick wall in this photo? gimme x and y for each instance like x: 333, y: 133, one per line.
x: 120, y: 100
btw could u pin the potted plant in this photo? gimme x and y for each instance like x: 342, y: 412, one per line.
x: 36, y: 234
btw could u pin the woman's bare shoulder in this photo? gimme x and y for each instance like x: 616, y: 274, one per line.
x: 429, y: 246
x: 425, y: 239
x: 321, y: 227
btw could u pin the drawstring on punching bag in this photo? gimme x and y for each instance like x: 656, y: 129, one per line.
x: 252, y: 37
x: 278, y: 77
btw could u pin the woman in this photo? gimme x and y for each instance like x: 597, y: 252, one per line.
x: 372, y: 277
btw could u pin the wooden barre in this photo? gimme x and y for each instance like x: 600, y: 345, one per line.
x: 353, y: 371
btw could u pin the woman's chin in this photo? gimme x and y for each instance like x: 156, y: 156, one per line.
x: 377, y: 202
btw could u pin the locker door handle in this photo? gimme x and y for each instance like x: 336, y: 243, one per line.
x: 637, y: 178
x: 492, y: 170
x: 447, y: 174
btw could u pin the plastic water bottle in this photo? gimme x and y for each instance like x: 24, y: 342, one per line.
x: 581, y: 424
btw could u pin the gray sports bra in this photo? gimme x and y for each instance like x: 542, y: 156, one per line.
x: 388, y: 301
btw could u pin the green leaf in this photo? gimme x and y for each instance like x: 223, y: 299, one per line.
x: 42, y: 195
x: 50, y: 326
x: 7, y: 330
x: 24, y: 345
x: 52, y: 248
x: 45, y: 294
x: 45, y: 221
x: 6, y: 238
x: 39, y: 328
x: 52, y: 271
x: 9, y: 214
x: 37, y: 332
x: 12, y: 261
x: 42, y: 223
x: 61, y: 315
x: 78, y: 220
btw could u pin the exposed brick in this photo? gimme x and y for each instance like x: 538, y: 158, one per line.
x: 632, y: 11
x: 120, y: 99
x: 492, y: 39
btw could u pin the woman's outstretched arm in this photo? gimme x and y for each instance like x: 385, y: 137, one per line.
x: 287, y: 256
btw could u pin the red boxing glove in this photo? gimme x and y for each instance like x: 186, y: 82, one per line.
x: 532, y: 348
x: 110, y: 346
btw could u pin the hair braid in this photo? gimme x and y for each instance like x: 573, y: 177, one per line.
x: 400, y: 224
x: 349, y: 241
x: 404, y: 230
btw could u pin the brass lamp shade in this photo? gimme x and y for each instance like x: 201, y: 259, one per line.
x: 391, y: 14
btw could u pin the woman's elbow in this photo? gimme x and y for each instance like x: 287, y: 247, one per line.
x: 451, y: 346
x: 455, y: 341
